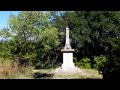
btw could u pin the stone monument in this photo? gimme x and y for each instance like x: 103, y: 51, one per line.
x: 68, y: 66
x: 67, y: 53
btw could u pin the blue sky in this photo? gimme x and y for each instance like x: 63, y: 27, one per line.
x: 4, y: 15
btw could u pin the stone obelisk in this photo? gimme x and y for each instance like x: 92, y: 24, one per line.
x: 67, y: 53
x: 68, y: 66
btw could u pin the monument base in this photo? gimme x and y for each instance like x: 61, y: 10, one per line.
x: 67, y: 66
x: 72, y: 71
x: 68, y: 61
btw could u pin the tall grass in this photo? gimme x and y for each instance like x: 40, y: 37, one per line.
x: 10, y: 70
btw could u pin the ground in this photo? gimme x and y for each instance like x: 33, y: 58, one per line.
x: 49, y: 74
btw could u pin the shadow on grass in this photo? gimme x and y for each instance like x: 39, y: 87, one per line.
x: 38, y: 75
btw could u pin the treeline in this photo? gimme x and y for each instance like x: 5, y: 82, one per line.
x: 36, y: 38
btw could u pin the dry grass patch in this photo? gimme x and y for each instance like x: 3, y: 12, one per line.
x: 10, y: 70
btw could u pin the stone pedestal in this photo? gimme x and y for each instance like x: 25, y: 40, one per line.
x: 67, y: 59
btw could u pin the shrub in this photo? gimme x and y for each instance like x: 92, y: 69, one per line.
x: 85, y: 63
x: 99, y: 62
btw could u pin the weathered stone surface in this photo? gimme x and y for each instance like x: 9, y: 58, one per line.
x: 68, y: 61
x: 67, y: 50
x: 61, y: 71
x: 68, y: 64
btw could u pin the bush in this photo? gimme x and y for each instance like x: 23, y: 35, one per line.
x: 85, y: 63
x: 99, y: 62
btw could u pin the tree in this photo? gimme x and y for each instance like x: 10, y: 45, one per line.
x: 33, y: 38
x: 97, y: 33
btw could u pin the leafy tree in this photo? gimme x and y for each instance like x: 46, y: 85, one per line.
x: 96, y: 33
x: 32, y: 38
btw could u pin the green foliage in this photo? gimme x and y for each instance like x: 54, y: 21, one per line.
x: 44, y: 47
x: 36, y: 38
x: 111, y: 69
x: 97, y: 33
x: 5, y: 50
x: 31, y: 39
x: 99, y: 62
x: 85, y: 63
